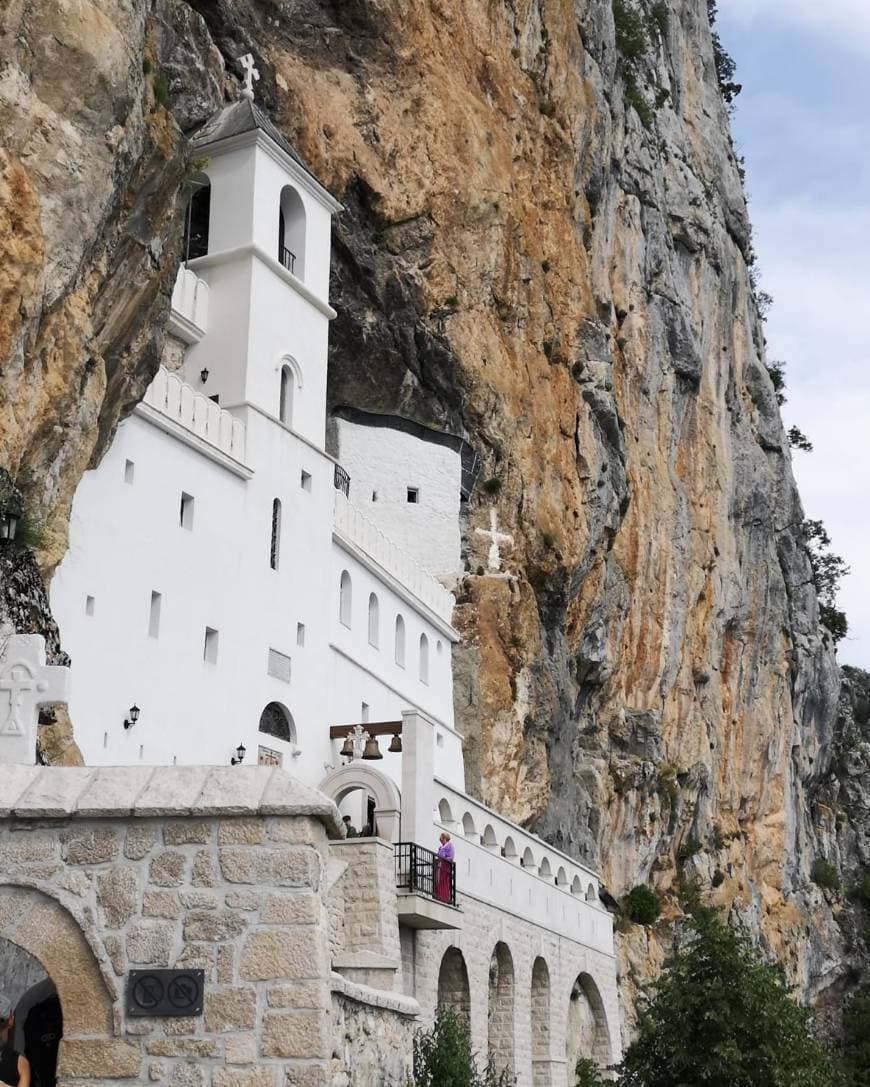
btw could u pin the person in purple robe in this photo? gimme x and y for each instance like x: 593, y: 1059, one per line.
x: 444, y: 868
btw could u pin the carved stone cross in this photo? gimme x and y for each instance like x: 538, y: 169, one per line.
x: 251, y: 73
x: 496, y: 538
x: 26, y: 683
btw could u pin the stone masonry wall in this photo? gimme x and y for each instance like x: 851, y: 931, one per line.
x: 106, y: 870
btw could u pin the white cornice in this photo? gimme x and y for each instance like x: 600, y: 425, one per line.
x: 176, y: 430
x: 238, y: 252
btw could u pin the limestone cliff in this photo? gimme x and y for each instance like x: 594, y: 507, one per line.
x: 545, y: 249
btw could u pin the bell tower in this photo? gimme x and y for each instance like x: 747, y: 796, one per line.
x: 259, y: 233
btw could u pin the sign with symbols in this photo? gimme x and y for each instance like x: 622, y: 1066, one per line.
x: 165, y: 992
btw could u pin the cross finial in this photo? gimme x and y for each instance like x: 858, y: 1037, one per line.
x: 251, y: 73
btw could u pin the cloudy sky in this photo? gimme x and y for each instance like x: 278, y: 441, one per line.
x: 802, y: 124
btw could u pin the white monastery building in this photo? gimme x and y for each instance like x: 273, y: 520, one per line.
x: 231, y: 585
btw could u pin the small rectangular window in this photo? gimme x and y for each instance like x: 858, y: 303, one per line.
x: 185, y: 517
x: 414, y: 494
x: 89, y: 605
x: 154, y: 616
x: 300, y: 634
x: 306, y: 480
x: 374, y: 496
x: 279, y: 665
x: 364, y: 713
x: 210, y: 646
x: 129, y: 470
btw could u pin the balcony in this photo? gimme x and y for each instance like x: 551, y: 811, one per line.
x: 287, y: 258
x: 342, y: 481
x: 426, y: 886
x: 188, y: 318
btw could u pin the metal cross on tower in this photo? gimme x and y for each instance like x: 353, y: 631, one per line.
x: 251, y: 73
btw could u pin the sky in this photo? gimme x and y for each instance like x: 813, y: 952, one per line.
x: 801, y: 123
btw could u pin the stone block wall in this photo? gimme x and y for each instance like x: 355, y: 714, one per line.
x: 103, y: 871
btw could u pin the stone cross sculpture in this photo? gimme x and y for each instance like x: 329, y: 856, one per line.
x: 251, y: 73
x: 26, y: 683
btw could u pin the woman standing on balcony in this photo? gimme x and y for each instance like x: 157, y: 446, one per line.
x: 444, y: 868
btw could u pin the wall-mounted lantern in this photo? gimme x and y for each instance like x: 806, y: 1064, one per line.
x: 203, y: 375
x: 10, y: 508
x: 239, y: 756
x: 134, y: 712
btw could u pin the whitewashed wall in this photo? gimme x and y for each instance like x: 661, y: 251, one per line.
x: 385, y: 461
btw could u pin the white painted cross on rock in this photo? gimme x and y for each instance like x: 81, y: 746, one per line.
x: 496, y: 538
x: 26, y: 683
x: 251, y: 73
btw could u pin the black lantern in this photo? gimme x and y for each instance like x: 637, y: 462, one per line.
x: 10, y: 508
x: 134, y: 712
x: 203, y: 375
x: 239, y: 756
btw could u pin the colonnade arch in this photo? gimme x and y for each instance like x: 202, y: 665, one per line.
x: 540, y: 1022
x: 500, y: 1019
x: 453, y: 988
x: 587, y: 1033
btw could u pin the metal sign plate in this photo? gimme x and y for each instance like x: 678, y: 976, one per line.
x: 165, y: 992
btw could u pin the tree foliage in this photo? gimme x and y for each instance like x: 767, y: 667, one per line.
x: 587, y: 1074
x: 725, y: 66
x: 720, y: 1017
x: 642, y: 905
x: 443, y: 1056
x: 856, y: 1039
x: 828, y: 571
x: 798, y: 440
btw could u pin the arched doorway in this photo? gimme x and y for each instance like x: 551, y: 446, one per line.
x: 196, y: 221
x: 587, y: 1034
x: 501, y: 1009
x: 49, y: 971
x: 453, y: 989
x: 352, y: 787
x: 542, y: 1073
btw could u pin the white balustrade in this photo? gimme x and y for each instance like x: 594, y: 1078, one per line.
x: 190, y: 305
x: 358, y: 530
x: 499, y: 862
x: 181, y: 403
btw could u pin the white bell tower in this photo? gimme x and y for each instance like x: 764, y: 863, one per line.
x: 259, y: 231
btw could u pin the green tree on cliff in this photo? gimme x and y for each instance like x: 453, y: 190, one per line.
x: 720, y: 1017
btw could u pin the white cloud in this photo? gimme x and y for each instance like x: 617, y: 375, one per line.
x: 848, y: 21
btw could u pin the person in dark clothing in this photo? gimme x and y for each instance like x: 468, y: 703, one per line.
x: 14, y: 1069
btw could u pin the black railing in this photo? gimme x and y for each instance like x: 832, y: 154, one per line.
x: 342, y: 481
x: 423, y: 872
x: 287, y: 258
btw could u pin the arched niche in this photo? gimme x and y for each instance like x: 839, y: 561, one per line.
x: 290, y: 382
x: 291, y: 232
x: 374, y: 621
x: 469, y: 830
x: 357, y: 776
x: 453, y: 988
x: 545, y: 870
x: 46, y: 932
x: 509, y: 850
x: 489, y: 839
x: 445, y: 813
x: 345, y: 599
x: 562, y: 878
x: 277, y: 721
x: 587, y: 1034
x: 591, y: 893
x: 540, y: 1022
x: 500, y: 1018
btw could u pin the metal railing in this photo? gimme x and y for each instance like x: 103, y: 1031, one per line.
x: 421, y: 871
x: 342, y: 481
x: 287, y: 258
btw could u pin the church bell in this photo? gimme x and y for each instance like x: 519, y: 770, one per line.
x: 395, y: 743
x: 371, y: 749
x: 347, y: 748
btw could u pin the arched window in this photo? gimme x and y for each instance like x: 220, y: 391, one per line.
x: 400, y: 641
x: 345, y: 600
x: 424, y: 659
x: 374, y: 633
x: 285, y: 404
x: 277, y: 721
x: 291, y: 232
x: 275, y: 545
x: 196, y: 221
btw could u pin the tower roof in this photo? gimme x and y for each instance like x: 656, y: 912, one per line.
x: 244, y: 116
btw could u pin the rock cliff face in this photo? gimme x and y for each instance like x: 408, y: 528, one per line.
x: 545, y: 249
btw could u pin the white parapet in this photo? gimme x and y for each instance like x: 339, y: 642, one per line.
x: 358, y: 531
x: 193, y: 414
x: 188, y: 318
x: 500, y: 863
